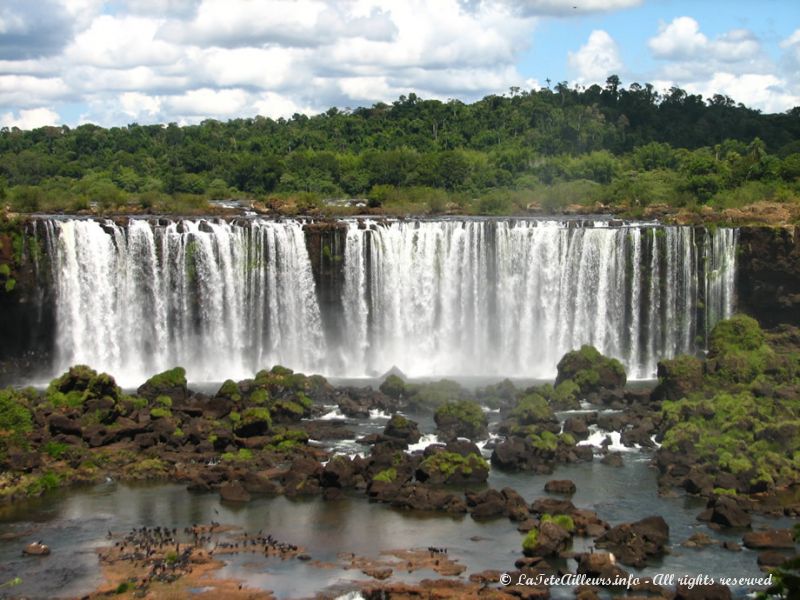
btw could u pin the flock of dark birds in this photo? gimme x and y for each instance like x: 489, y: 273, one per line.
x: 165, y: 554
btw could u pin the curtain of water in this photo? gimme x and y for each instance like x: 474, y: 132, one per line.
x: 449, y: 297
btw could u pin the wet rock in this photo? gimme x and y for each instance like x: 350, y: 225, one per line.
x: 771, y: 559
x: 725, y: 511
x: 613, y: 459
x: 516, y: 507
x: 551, y: 540
x: 36, y: 549
x: 489, y: 504
x: 402, y: 428
x: 697, y: 482
x: 62, y: 424
x: 514, y: 454
x: 552, y: 506
x: 170, y: 383
x: 732, y: 546
x: 560, y: 486
x: 635, y: 543
x: 234, y: 491
x: 339, y: 472
x: 699, y: 540
x: 256, y: 483
x: 592, y: 371
x: 768, y: 538
x: 599, y: 564
x: 577, y: 426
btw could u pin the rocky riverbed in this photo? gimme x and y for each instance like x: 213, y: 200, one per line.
x: 527, y: 481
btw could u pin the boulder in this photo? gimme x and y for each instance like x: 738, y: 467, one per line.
x: 725, y: 511
x: 591, y: 371
x: 36, y: 549
x: 62, y: 424
x: 635, y: 543
x: 170, y: 383
x: 402, y: 428
x: 234, y: 491
x: 560, y: 486
x: 768, y: 539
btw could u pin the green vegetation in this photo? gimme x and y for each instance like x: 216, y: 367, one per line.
x: 590, y: 371
x: 168, y: 379
x: 564, y: 521
x: 546, y: 148
x: 16, y: 420
x: 80, y: 384
x: 450, y: 463
x: 386, y: 476
x: 530, y: 541
x: 394, y: 387
x: 242, y: 455
x: 434, y: 394
x: 532, y: 408
x: 742, y: 415
x: 463, y: 417
x: 160, y: 413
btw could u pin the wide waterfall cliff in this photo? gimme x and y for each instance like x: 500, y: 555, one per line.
x: 502, y: 297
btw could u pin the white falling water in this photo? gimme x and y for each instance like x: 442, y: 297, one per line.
x: 222, y: 300
x: 483, y: 297
x: 433, y: 298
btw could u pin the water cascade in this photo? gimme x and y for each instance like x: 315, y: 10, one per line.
x: 433, y: 298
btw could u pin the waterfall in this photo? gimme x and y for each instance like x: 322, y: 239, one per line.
x: 223, y: 300
x: 488, y: 297
x: 505, y: 297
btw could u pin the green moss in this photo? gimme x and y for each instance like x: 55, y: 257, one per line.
x: 531, y: 409
x: 178, y: 433
x: 530, y: 541
x: 590, y: 370
x: 55, y: 449
x: 260, y: 396
x: 394, y: 387
x: 44, y: 483
x: 16, y: 420
x: 164, y: 401
x: 449, y: 463
x: 234, y: 416
x: 229, y: 389
x: 740, y: 332
x: 242, y: 455
x: 255, y: 414
x: 469, y: 418
x: 168, y: 379
x: 79, y: 384
x: 564, y: 521
x: 544, y: 440
x: 387, y: 475
x: 160, y: 413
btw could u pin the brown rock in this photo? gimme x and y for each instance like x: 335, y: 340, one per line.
x: 234, y: 491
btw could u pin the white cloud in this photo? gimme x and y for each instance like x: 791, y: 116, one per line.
x: 597, y: 59
x: 30, y: 118
x: 114, y: 42
x: 26, y: 90
x: 679, y: 39
x: 138, y: 105
x: 207, y: 103
x: 768, y: 92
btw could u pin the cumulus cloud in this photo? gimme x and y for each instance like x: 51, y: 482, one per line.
x: 597, y: 59
x: 766, y: 91
x: 33, y: 29
x: 30, y: 118
x: 186, y: 60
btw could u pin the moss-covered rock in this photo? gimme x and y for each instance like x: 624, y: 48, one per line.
x: 254, y: 421
x: 452, y: 468
x: 678, y: 377
x: 170, y: 383
x: 394, y: 387
x: 591, y: 371
x: 16, y: 421
x: 463, y: 418
x: 533, y: 409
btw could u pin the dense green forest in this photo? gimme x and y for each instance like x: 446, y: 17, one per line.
x: 548, y: 148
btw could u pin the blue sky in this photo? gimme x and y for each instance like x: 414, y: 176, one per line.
x: 114, y: 62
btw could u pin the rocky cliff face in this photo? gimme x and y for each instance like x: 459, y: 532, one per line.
x: 26, y: 317
x: 768, y: 278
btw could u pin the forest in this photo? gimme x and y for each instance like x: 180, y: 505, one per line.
x: 544, y: 149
